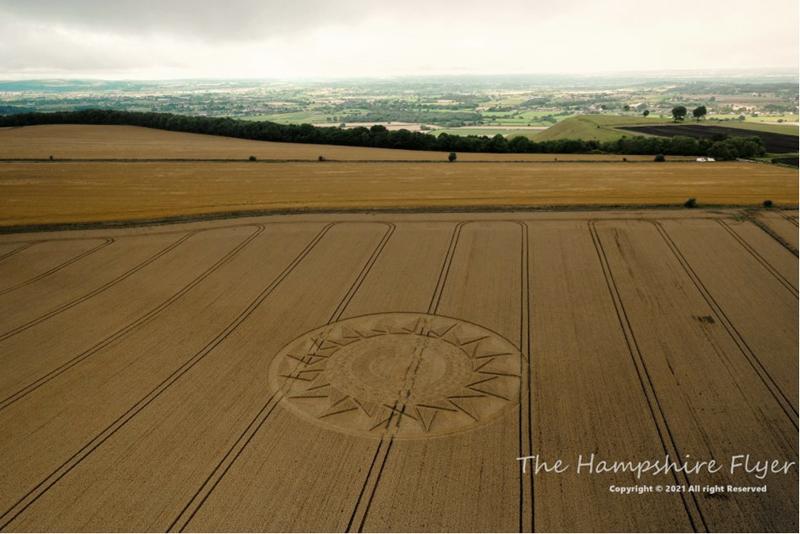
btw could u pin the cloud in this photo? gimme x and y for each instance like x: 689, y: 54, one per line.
x: 251, y: 38
x: 233, y: 20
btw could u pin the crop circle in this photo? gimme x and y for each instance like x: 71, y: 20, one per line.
x: 408, y: 375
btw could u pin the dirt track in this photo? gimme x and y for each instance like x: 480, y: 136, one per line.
x: 384, y: 372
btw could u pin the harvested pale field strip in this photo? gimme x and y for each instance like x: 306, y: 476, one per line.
x: 774, y: 256
x: 71, y: 283
x: 72, y: 141
x: 127, y: 370
x: 250, y: 482
x: 715, y: 404
x: 33, y: 193
x: 784, y: 228
x: 48, y: 299
x: 742, y: 292
x: 36, y: 351
x: 581, y: 360
x: 42, y: 260
x: 203, y: 414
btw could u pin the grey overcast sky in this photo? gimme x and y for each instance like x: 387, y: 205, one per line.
x: 316, y: 38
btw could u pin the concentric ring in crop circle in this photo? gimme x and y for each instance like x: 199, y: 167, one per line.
x: 410, y: 375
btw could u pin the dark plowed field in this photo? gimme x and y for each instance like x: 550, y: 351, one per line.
x: 774, y: 142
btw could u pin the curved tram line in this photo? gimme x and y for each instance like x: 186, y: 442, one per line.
x: 759, y: 258
x: 17, y: 250
x: 230, y: 457
x: 37, y: 491
x: 379, y: 460
x: 93, y: 293
x: 526, y: 516
x: 130, y: 327
x: 107, y: 241
x: 361, y: 507
x: 668, y: 442
x: 754, y: 361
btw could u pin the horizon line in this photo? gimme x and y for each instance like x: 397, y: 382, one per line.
x: 651, y: 73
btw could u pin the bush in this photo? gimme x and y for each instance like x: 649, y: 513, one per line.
x: 252, y: 158
x: 660, y: 157
x: 691, y: 203
x: 767, y: 203
x: 451, y: 157
x: 722, y: 150
x: 737, y: 147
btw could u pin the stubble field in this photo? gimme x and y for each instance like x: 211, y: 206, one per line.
x: 41, y: 193
x: 70, y: 141
x: 119, y: 173
x: 370, y: 373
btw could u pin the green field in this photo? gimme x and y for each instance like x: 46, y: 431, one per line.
x: 509, y: 132
x: 588, y: 127
x: 523, y: 118
x: 761, y: 118
x: 298, y: 117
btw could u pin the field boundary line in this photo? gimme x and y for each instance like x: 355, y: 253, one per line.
x: 93, y: 293
x: 527, y: 516
x: 441, y: 160
x: 130, y: 327
x: 761, y: 259
x: 372, y: 480
x: 106, y: 241
x: 37, y: 491
x: 668, y: 442
x: 216, y: 475
x: 181, y: 230
x: 762, y: 372
x: 168, y: 231
x: 121, y: 224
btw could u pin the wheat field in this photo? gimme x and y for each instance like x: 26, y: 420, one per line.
x: 346, y: 372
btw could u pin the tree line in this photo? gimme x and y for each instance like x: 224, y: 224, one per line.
x: 380, y: 137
